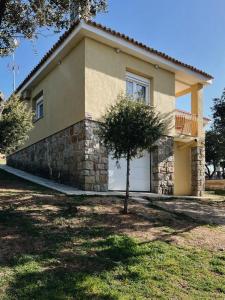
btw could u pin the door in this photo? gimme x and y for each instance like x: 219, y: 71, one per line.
x: 139, y: 174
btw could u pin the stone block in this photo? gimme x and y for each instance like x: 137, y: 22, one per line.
x: 89, y: 179
x: 88, y: 165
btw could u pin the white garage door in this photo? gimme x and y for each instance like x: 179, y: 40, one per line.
x: 139, y: 174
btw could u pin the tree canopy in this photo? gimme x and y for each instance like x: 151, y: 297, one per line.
x: 130, y: 127
x: 213, y: 152
x: 219, y: 117
x: 15, y: 123
x: 215, y: 137
x: 25, y: 18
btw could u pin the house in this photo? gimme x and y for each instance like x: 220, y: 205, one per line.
x: 70, y: 90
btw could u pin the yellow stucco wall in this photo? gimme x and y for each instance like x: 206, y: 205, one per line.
x: 105, y: 72
x: 182, y: 172
x: 63, y: 92
x: 88, y: 80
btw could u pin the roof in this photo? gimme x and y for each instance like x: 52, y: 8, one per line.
x: 114, y: 33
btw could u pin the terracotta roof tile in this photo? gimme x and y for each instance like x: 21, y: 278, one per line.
x: 117, y: 34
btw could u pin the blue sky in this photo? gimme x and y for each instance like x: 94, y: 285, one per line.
x: 189, y: 30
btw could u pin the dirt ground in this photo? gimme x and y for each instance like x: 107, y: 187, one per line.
x: 36, y: 208
x: 149, y: 223
x: 41, y: 207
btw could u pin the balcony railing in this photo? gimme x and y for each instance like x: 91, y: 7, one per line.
x: 186, y: 123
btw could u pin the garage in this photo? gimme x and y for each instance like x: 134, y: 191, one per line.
x: 140, y: 170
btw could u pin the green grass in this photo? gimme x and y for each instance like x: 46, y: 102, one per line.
x: 65, y: 255
x: 99, y: 266
x: 118, y: 267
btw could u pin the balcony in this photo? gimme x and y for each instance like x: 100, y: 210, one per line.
x: 186, y: 123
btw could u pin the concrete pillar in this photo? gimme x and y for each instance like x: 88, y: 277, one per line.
x: 197, y: 108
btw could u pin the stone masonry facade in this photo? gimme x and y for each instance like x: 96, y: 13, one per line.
x: 198, y: 170
x: 76, y: 157
x: 163, y: 166
x: 72, y: 156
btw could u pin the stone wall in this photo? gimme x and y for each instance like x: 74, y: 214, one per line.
x: 72, y: 156
x: 95, y: 164
x: 163, y: 166
x: 75, y: 156
x: 198, y: 170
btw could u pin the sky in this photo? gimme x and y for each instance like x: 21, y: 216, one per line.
x: 192, y: 31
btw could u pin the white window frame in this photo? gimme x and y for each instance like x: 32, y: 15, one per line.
x: 136, y: 79
x: 37, y: 112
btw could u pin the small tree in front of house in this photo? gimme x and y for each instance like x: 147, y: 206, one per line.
x: 128, y: 129
x: 15, y: 123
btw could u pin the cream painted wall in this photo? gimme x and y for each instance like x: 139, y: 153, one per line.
x: 88, y: 80
x: 63, y: 92
x: 182, y: 172
x: 105, y: 72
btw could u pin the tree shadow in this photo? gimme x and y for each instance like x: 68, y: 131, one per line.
x: 55, y: 244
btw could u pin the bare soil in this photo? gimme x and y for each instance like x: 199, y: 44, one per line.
x: 143, y: 222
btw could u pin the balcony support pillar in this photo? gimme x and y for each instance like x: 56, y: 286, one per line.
x: 198, y: 170
x: 197, y: 108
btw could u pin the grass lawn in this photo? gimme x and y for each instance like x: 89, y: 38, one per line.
x: 58, y: 247
x: 216, y: 192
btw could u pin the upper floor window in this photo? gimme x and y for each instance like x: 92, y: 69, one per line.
x: 39, y: 108
x: 138, y: 87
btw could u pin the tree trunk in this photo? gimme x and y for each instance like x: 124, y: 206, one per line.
x: 208, y: 173
x: 125, y: 210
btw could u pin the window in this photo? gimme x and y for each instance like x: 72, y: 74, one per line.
x: 39, y: 108
x: 138, y: 87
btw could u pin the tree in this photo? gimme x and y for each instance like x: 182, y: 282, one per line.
x: 25, y: 18
x: 213, y: 151
x: 128, y: 128
x: 222, y: 165
x: 215, y: 138
x: 219, y: 117
x: 15, y: 123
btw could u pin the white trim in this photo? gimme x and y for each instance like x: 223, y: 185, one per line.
x: 119, y: 42
x: 37, y: 106
x: 152, y: 56
x: 136, y: 79
x: 52, y: 56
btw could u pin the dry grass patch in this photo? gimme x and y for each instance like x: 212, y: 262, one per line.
x: 58, y: 247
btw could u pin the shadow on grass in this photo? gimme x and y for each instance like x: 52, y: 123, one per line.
x: 60, y: 248
x: 9, y: 181
x: 65, y: 252
x: 77, y: 274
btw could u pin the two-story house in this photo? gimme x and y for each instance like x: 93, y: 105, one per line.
x: 70, y: 90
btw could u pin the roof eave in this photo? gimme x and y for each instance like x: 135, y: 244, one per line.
x: 144, y: 54
x: 106, y: 36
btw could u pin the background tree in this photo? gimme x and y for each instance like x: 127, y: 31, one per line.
x: 129, y: 128
x: 25, y: 18
x: 219, y: 118
x: 213, y: 152
x: 15, y: 123
x: 215, y: 138
x: 222, y: 165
